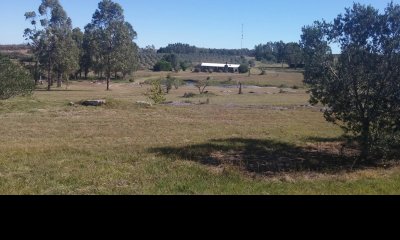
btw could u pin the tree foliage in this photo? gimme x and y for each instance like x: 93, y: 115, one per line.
x: 201, y: 85
x: 173, y: 60
x: 14, y: 79
x: 181, y: 48
x: 293, y: 55
x: 361, y: 87
x: 78, y: 37
x: 110, y: 40
x: 243, y: 68
x: 279, y: 52
x: 162, y: 65
x: 51, y: 39
x: 156, y: 93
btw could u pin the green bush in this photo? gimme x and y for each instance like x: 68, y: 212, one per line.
x: 162, y: 65
x: 189, y: 95
x: 243, y: 68
x: 14, y: 79
x: 156, y: 93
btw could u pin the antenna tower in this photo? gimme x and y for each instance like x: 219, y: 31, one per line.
x: 241, y: 44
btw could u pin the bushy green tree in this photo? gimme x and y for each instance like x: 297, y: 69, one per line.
x: 293, y: 54
x: 111, y: 39
x: 361, y: 87
x: 78, y: 37
x: 14, y: 79
x: 243, y: 68
x: 173, y: 60
x: 162, y: 65
x: 51, y: 38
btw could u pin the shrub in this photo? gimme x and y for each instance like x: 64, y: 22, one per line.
x: 243, y: 68
x: 189, y: 95
x: 156, y: 94
x: 162, y: 66
x: 14, y: 79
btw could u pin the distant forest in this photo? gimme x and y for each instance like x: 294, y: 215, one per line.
x: 271, y: 52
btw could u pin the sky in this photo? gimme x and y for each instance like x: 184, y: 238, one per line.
x: 203, y: 23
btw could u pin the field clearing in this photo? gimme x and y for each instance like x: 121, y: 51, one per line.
x: 272, y: 78
x: 264, y: 142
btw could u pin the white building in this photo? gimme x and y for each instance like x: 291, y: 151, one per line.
x: 220, y: 67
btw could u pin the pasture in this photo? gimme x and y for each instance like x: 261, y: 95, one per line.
x: 268, y: 140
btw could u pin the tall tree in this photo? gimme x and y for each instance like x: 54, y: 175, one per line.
x: 78, y: 37
x: 111, y: 37
x: 173, y: 59
x: 127, y: 52
x: 47, y: 37
x: 266, y: 52
x: 361, y: 87
x: 67, y: 58
x: 280, y: 52
x: 293, y: 54
x: 89, y: 48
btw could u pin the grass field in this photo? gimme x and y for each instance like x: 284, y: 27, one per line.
x: 266, y: 141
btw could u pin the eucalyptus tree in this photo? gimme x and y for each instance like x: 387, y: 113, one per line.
x: 50, y: 37
x: 78, y: 37
x: 111, y: 39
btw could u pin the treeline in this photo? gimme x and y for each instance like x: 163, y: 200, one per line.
x: 148, y: 57
x: 272, y: 52
x: 280, y: 52
x: 106, y: 46
x: 181, y: 48
x: 14, y: 47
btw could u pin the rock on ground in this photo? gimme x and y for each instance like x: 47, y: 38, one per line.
x: 94, y: 103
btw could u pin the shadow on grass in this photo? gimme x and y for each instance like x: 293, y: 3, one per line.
x: 328, y: 139
x: 262, y: 156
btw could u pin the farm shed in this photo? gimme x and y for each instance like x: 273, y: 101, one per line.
x: 220, y: 67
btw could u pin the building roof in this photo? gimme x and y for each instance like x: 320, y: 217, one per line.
x: 221, y: 65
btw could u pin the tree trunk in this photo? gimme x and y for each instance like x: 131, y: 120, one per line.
x: 67, y: 82
x: 36, y: 74
x: 49, y: 80
x: 108, y: 83
x: 365, y: 142
x: 59, y: 80
x: 108, y: 71
x: 108, y: 79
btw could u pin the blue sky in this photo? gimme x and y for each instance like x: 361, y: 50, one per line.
x: 204, y: 23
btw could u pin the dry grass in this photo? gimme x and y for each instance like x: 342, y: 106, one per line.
x: 48, y: 147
